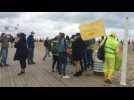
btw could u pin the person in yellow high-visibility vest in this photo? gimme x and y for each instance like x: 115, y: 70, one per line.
x: 111, y: 49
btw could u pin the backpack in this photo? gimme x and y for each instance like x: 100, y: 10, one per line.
x: 54, y: 48
x: 101, y: 51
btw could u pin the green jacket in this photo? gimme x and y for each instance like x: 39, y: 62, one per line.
x: 4, y: 42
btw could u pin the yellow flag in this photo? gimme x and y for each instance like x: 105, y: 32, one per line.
x: 92, y: 30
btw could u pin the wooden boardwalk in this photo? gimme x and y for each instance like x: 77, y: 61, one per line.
x: 40, y: 75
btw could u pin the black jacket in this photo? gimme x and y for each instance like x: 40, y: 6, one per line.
x: 78, y: 47
x: 21, y: 50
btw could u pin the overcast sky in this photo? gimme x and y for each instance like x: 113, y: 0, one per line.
x: 50, y: 23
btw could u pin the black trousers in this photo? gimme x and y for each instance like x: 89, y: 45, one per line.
x: 55, y: 60
x: 23, y: 64
x: 91, y: 62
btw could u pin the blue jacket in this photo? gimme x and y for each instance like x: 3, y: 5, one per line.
x: 62, y: 46
x: 30, y: 41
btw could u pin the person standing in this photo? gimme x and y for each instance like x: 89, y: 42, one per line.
x: 62, y: 55
x: 78, y: 47
x: 90, y: 53
x: 55, y: 54
x: 11, y: 40
x: 4, y: 49
x: 21, y: 53
x: 47, y: 47
x: 111, y: 50
x: 31, y: 45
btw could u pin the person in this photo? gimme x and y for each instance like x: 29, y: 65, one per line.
x: 47, y: 45
x: 4, y: 49
x: 90, y: 50
x: 21, y: 53
x: 71, y: 42
x: 133, y: 44
x: 78, y: 47
x: 31, y: 45
x: 62, y: 55
x: 111, y: 50
x: 68, y: 41
x: 55, y: 54
x: 68, y: 49
x: 85, y: 56
x: 12, y: 40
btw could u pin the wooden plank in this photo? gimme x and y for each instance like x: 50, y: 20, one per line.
x: 39, y: 75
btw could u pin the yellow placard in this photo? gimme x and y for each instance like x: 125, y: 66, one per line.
x: 92, y: 30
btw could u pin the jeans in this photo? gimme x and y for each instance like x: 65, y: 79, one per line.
x: 62, y: 63
x: 30, y: 55
x: 4, y: 53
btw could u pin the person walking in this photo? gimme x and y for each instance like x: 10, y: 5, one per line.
x: 21, y: 53
x: 111, y: 50
x: 4, y: 49
x: 31, y: 45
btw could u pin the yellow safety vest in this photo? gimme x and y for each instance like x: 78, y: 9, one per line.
x: 111, y: 45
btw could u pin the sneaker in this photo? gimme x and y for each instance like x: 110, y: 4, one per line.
x: 65, y: 76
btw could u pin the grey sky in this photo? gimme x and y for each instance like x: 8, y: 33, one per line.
x: 50, y: 23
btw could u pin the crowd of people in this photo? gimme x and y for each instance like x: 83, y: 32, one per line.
x: 80, y: 54
x: 65, y: 50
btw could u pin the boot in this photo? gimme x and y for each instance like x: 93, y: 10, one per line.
x: 110, y: 78
x: 109, y: 81
x: 22, y: 72
x: 106, y: 77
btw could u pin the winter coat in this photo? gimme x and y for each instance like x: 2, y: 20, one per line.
x: 21, y: 50
x: 78, y: 47
x: 30, y: 42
